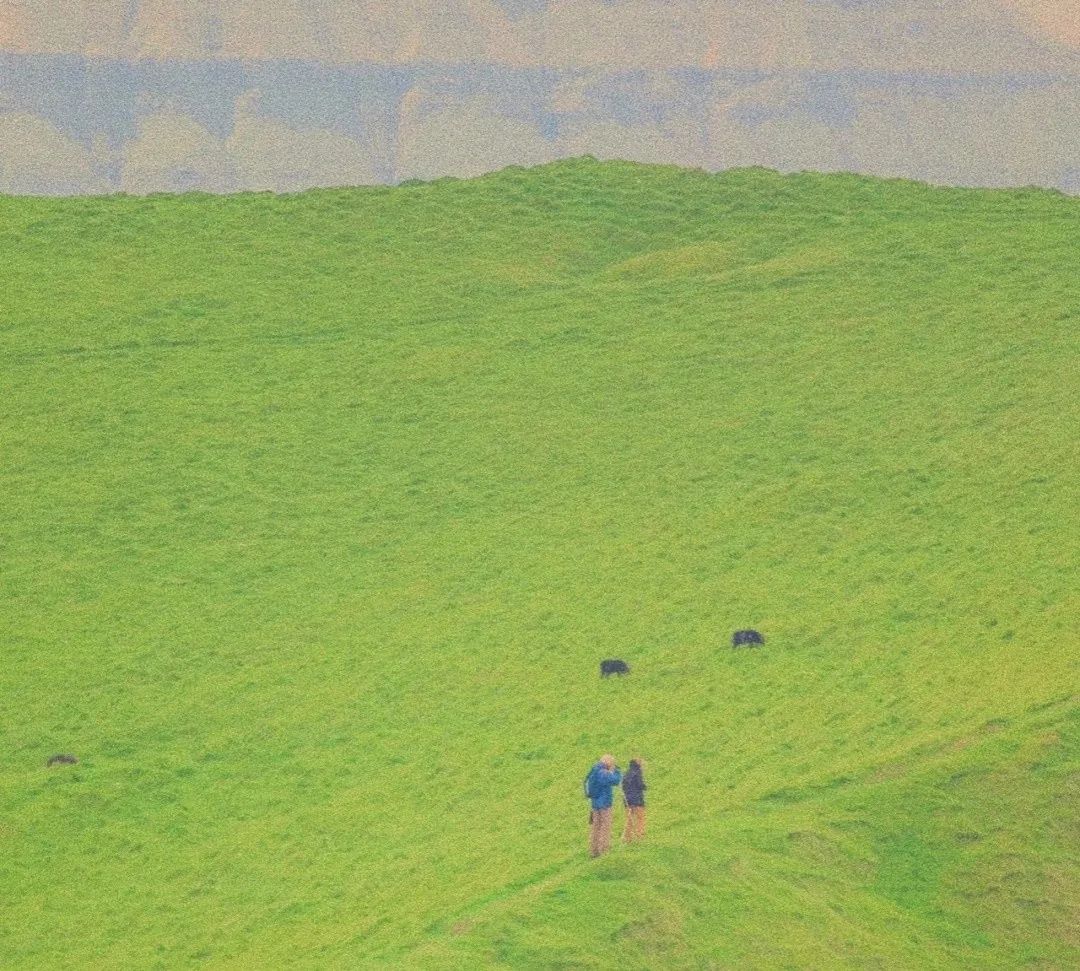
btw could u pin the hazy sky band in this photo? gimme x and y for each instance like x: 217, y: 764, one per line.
x: 968, y: 92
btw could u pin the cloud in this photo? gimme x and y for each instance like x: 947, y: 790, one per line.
x: 90, y: 27
x: 974, y: 137
x: 773, y: 123
x: 174, y: 30
x: 678, y: 144
x: 466, y: 138
x: 270, y: 155
x: 7, y: 25
x: 173, y: 153
x: 1058, y: 20
x: 37, y: 159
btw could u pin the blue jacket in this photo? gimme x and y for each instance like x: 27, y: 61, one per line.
x: 601, y: 785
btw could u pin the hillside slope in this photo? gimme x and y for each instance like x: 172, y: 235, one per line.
x: 320, y: 510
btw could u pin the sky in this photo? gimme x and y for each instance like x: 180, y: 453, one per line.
x: 224, y: 95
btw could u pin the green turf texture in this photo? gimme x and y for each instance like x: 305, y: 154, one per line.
x: 319, y: 512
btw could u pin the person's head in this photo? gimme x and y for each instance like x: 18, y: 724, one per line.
x: 634, y: 768
x: 607, y: 761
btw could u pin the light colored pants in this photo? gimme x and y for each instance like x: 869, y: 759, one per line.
x: 599, y: 831
x: 635, y: 824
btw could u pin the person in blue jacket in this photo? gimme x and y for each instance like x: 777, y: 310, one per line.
x: 602, y: 778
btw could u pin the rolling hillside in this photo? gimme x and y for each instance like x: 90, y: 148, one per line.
x: 320, y: 510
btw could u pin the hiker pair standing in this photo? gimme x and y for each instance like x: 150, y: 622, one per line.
x: 599, y: 783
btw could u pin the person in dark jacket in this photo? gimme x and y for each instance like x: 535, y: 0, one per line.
x: 633, y: 787
x: 603, y: 777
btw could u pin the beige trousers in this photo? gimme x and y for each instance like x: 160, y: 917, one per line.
x: 599, y: 831
x: 635, y: 824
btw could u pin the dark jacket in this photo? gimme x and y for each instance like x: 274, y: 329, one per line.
x: 600, y: 785
x: 633, y: 787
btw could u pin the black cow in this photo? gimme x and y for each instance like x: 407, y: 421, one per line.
x: 613, y: 666
x: 746, y: 638
x: 61, y: 760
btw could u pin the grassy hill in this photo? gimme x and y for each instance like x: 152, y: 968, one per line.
x: 319, y: 512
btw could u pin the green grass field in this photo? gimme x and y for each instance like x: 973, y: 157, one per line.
x: 319, y: 512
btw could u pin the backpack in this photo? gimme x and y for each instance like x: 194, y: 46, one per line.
x: 587, y: 785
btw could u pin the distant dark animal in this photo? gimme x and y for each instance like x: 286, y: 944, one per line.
x: 746, y: 638
x: 61, y: 760
x: 613, y: 666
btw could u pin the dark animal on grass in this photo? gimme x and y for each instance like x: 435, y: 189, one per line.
x: 613, y: 666
x: 746, y: 638
x: 62, y: 759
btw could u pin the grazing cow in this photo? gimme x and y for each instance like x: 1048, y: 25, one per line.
x: 613, y: 666
x: 61, y: 760
x: 746, y: 638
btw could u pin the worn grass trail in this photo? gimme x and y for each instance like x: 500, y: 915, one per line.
x: 319, y: 511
